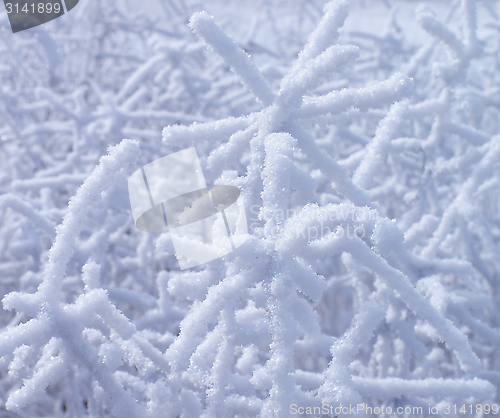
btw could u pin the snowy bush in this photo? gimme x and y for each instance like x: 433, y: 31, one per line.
x: 368, y: 166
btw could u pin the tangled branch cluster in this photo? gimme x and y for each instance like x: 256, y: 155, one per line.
x: 371, y: 271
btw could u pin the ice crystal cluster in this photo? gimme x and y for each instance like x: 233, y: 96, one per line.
x: 368, y: 163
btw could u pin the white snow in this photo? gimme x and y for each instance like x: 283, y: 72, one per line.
x: 364, y: 139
